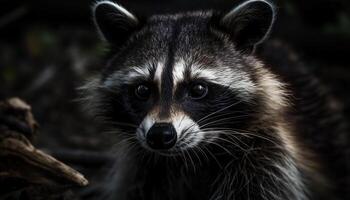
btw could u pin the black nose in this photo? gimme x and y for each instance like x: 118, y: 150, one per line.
x: 161, y: 136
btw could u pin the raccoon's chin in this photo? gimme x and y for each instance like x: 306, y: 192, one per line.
x: 168, y: 153
x: 177, y: 150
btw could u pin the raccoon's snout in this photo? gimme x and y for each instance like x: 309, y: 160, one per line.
x: 161, y: 136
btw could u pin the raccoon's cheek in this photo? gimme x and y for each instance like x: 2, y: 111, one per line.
x: 189, y: 133
x: 144, y: 127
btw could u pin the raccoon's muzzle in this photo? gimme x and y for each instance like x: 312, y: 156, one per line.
x: 161, y: 136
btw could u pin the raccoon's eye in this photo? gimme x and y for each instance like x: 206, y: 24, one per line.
x: 142, y: 92
x: 198, y: 91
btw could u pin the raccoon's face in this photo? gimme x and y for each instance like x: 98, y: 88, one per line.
x: 177, y: 81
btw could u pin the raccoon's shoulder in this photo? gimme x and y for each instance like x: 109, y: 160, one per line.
x: 312, y: 101
x: 317, y: 115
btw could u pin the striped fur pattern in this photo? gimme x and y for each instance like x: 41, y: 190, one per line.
x: 238, y: 142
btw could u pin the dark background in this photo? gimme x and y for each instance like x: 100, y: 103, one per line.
x: 48, y: 48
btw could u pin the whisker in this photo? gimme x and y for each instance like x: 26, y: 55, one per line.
x: 222, y: 114
x: 220, y: 146
x: 222, y: 109
x: 223, y: 119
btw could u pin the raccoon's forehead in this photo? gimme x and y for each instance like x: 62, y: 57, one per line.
x: 178, y: 48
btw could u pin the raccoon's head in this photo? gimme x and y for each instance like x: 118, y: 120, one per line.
x: 179, y: 81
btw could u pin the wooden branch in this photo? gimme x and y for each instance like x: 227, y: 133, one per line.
x: 36, y: 166
x: 20, y: 160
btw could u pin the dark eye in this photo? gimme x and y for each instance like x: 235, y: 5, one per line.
x: 198, y: 91
x: 142, y: 92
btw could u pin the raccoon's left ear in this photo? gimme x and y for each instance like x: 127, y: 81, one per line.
x: 114, y: 23
x: 249, y: 23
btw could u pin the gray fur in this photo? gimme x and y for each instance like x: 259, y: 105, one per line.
x: 220, y: 154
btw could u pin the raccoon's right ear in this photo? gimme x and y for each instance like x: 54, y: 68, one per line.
x: 114, y: 23
x: 249, y: 23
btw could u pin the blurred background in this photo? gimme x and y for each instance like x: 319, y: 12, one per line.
x: 48, y: 49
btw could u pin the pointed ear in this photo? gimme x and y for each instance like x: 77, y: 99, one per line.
x: 249, y: 23
x: 114, y: 23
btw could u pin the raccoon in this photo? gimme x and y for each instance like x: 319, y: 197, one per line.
x: 198, y: 115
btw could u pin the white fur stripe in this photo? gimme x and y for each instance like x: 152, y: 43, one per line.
x: 126, y: 76
x: 179, y: 72
x: 236, y: 80
x: 158, y: 74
